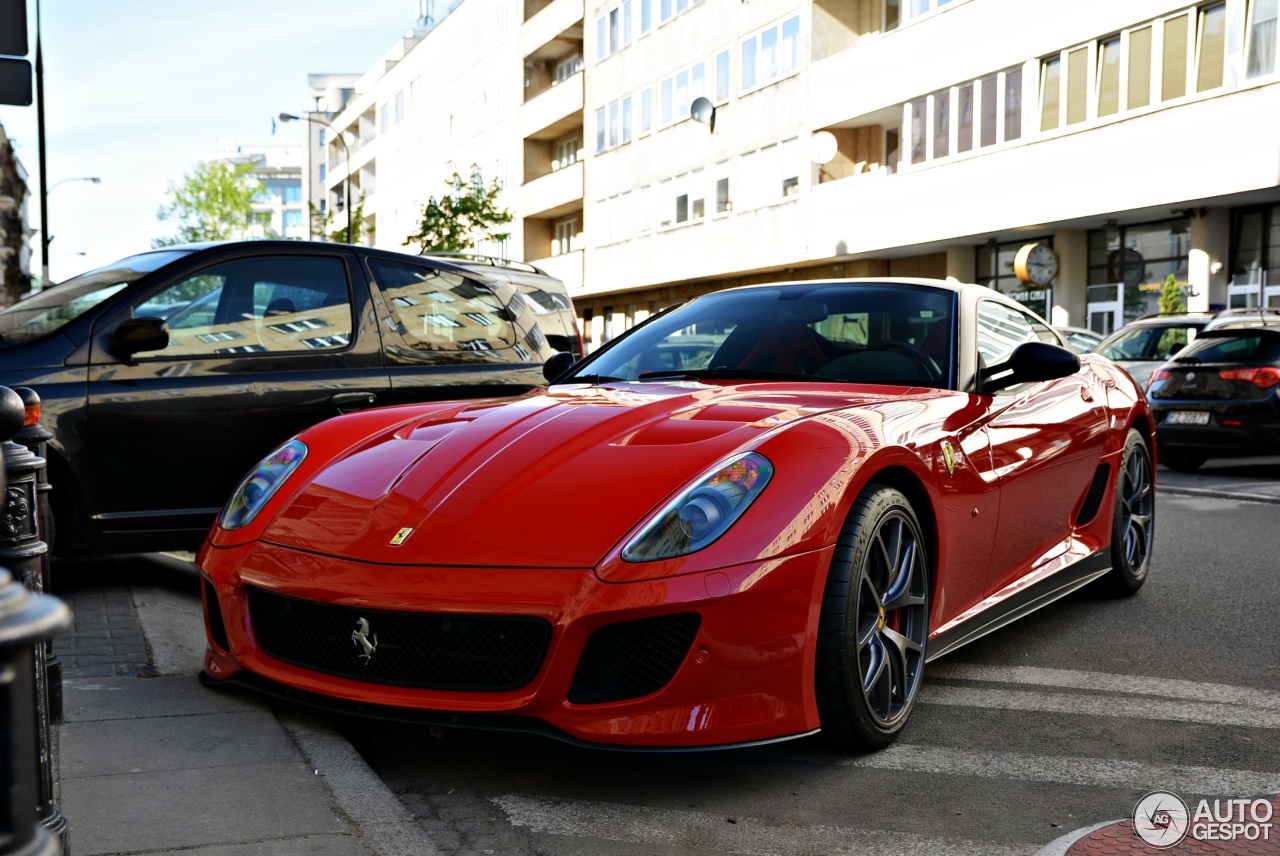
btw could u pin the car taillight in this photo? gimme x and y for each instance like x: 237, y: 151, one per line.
x: 1157, y: 375
x: 1264, y: 377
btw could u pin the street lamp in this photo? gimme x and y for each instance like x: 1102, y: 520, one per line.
x: 45, y: 237
x: 346, y: 156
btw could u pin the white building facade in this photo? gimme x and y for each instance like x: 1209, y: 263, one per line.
x: 1135, y: 140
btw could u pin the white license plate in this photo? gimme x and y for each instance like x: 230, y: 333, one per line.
x: 1188, y: 417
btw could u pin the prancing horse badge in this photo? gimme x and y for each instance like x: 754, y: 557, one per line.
x: 399, y: 538
x: 949, y: 457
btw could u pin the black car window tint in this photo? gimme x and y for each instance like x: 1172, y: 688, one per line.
x: 257, y: 305
x: 1254, y: 347
x: 439, y: 310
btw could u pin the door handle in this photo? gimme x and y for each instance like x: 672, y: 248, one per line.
x: 350, y: 402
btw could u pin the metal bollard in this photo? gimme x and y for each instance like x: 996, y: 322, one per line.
x: 23, y: 553
x: 36, y: 438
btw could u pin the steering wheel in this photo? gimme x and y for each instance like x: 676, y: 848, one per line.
x: 922, y: 361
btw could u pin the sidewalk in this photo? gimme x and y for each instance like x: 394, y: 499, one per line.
x: 153, y: 762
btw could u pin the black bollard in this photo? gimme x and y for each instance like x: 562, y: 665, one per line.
x: 36, y: 438
x: 27, y: 619
x: 23, y: 553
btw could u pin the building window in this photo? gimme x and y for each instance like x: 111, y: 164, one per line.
x: 1136, y: 260
x: 771, y: 54
x: 566, y: 153
x: 646, y: 16
x: 723, y: 203
x: 601, y: 131
x: 1173, y: 82
x: 568, y: 68
x: 322, y: 130
x: 385, y: 115
x: 323, y: 171
x: 1255, y: 256
x: 1211, y: 53
x: 964, y: 118
x: 898, y: 12
x: 723, y: 82
x: 566, y: 237
x: 942, y: 124
x: 646, y: 110
x: 1260, y: 58
x: 1109, y: 77
x: 400, y: 106
x: 1139, y: 89
x: 613, y: 30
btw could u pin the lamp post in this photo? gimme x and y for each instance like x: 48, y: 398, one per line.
x: 346, y: 156
x: 45, y: 237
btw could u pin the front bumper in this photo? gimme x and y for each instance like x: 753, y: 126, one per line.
x: 718, y: 658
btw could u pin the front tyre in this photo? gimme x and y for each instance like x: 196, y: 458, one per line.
x: 1133, y: 519
x: 874, y: 624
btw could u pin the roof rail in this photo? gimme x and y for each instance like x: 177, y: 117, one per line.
x: 495, y: 261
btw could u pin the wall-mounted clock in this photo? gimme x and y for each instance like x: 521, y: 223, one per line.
x: 1036, y: 264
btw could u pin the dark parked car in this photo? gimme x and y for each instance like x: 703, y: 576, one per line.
x: 1219, y: 397
x: 167, y: 375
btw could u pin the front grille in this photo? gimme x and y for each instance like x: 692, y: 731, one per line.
x: 436, y: 651
x: 631, y: 659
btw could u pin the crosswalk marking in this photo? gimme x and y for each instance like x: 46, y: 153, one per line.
x: 1096, y: 772
x: 1102, y: 681
x: 704, y: 831
x: 1092, y: 705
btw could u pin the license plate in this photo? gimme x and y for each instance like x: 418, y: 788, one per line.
x: 1188, y: 417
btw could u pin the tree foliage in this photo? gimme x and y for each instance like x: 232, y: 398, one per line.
x: 458, y: 220
x: 333, y: 226
x: 213, y: 203
x: 1171, y: 296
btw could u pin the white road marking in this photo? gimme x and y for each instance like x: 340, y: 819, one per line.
x: 1094, y: 772
x: 704, y: 831
x: 1138, y: 685
x: 1209, y: 713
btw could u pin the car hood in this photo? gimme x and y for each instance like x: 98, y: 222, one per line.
x: 547, y: 480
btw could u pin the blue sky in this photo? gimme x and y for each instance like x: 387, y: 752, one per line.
x: 138, y: 91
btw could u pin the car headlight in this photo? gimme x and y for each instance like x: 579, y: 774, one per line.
x: 261, y: 484
x: 702, y: 513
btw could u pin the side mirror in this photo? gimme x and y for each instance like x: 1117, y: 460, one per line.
x: 557, y: 365
x: 1030, y: 361
x: 135, y: 335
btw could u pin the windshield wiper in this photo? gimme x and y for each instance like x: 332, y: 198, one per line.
x: 726, y: 373
x: 589, y: 378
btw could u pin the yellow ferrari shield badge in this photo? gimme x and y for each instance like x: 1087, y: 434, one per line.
x: 398, y: 538
x: 948, y: 457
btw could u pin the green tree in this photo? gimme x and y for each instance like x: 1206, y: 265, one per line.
x: 335, y: 228
x: 456, y: 221
x: 213, y: 203
x: 1171, y: 296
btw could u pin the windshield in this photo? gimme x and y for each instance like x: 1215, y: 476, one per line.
x: 1156, y: 342
x: 844, y: 332
x: 46, y: 311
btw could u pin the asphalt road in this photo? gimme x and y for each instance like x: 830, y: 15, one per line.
x: 1061, y: 721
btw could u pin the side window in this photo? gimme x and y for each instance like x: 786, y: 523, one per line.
x: 258, y: 305
x: 438, y: 310
x: 1001, y: 329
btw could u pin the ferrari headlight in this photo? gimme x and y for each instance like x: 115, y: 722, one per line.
x: 261, y: 484
x: 702, y: 513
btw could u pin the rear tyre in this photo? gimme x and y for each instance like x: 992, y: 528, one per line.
x: 1133, y: 520
x: 874, y: 624
x: 1182, y: 462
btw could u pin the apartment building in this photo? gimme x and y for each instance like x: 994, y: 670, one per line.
x: 15, y: 250
x: 1072, y: 154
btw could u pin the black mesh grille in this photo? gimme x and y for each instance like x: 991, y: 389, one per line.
x: 213, y: 616
x: 479, y: 653
x: 1093, y: 498
x: 632, y: 658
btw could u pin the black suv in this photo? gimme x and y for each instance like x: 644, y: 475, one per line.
x: 167, y: 375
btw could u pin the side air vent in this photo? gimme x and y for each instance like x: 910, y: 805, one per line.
x: 1093, y: 498
x: 213, y: 616
x: 631, y: 659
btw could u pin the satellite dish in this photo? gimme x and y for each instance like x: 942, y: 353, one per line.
x: 822, y: 147
x: 702, y: 110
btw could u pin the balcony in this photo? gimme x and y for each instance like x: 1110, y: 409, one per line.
x: 553, y: 194
x: 553, y: 31
x: 554, y: 112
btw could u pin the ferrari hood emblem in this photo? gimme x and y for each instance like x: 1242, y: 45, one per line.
x: 367, y: 642
x: 949, y: 457
x: 399, y: 538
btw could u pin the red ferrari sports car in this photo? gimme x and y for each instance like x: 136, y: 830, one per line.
x: 753, y: 517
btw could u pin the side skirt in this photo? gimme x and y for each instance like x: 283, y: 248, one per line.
x: 1023, y: 602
